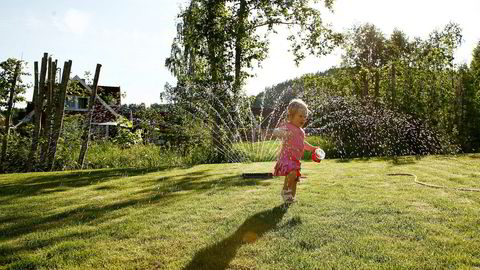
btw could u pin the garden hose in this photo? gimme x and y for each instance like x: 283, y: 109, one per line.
x: 431, y: 185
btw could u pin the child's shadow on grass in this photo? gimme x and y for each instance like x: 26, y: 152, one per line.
x: 220, y: 254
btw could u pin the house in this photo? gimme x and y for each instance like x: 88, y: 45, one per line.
x: 107, y: 102
x: 111, y: 95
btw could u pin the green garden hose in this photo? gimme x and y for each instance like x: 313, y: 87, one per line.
x: 431, y: 185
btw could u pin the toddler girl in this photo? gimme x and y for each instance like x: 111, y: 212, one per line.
x: 294, y: 144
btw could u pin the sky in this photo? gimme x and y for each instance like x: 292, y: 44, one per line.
x: 132, y: 38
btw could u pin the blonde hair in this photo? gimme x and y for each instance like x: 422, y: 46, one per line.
x: 294, y: 106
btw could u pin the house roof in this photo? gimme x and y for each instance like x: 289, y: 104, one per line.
x: 82, y: 82
x: 102, y: 90
x: 113, y: 91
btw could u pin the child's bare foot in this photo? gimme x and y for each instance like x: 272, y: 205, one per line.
x: 290, y: 200
x: 287, y: 196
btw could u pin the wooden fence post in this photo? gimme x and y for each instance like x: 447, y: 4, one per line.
x: 45, y: 134
x: 55, y: 97
x: 38, y: 111
x: 60, y: 111
x: 88, y: 120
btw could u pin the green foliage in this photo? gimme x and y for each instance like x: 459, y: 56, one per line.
x: 107, y: 154
x: 7, y: 70
x: 125, y: 150
x: 69, y: 144
x: 75, y: 89
x: 18, y: 151
x: 364, y: 129
x: 413, y: 77
x: 219, y: 42
x: 126, y: 138
x: 472, y: 108
x: 321, y: 142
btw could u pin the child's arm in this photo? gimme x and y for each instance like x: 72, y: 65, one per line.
x: 281, y: 133
x: 308, y: 147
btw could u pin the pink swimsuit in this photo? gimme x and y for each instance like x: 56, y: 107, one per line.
x: 291, y: 153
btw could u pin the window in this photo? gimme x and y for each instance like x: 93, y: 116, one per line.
x: 76, y: 103
x: 82, y: 103
x: 70, y: 102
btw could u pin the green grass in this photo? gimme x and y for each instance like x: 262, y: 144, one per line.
x: 349, y: 215
x: 268, y: 150
x: 258, y: 151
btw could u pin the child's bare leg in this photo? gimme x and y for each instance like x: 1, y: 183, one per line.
x: 285, y: 183
x: 286, y: 193
x: 291, y: 179
x: 294, y: 186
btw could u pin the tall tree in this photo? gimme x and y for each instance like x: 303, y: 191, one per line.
x: 475, y: 71
x: 7, y: 73
x: 397, y: 57
x: 11, y: 90
x: 219, y: 41
x: 438, y: 55
x: 11, y: 95
x: 473, y: 100
x: 365, y: 52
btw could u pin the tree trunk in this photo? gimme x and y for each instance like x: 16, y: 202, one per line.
x: 377, y: 85
x: 38, y: 110
x: 88, y: 120
x: 60, y: 110
x: 239, y: 46
x: 212, y: 46
x: 393, y: 86
x: 8, y: 116
x: 364, y: 84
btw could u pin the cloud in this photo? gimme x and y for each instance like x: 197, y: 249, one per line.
x: 74, y: 21
x: 33, y: 22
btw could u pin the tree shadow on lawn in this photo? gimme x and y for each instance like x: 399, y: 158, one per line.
x: 10, y: 254
x: 395, y: 160
x: 49, y: 183
x: 406, y: 160
x: 92, y: 213
x: 202, y: 181
x: 87, y: 214
x: 220, y: 254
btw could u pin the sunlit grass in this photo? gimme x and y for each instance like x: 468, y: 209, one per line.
x: 268, y: 150
x: 259, y: 151
x: 349, y: 214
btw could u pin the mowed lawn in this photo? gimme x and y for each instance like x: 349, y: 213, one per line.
x: 349, y: 215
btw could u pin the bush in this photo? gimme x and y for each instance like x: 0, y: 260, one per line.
x: 365, y: 129
x: 18, y: 153
x: 107, y: 154
x: 69, y: 143
x: 127, y: 138
x: 321, y: 142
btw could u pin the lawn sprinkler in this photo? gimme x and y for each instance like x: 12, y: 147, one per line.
x: 258, y: 175
x: 318, y: 154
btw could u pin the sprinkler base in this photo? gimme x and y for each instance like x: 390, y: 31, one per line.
x: 258, y: 175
